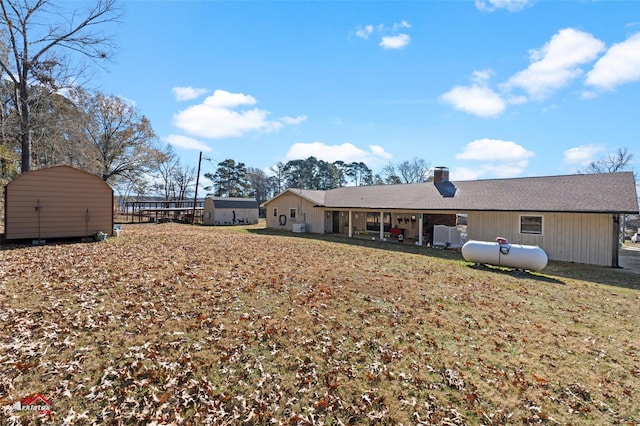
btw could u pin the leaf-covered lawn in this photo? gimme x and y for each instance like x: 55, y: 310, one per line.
x: 172, y: 324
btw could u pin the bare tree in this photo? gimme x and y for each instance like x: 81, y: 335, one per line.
x: 41, y: 41
x: 616, y: 163
x: 9, y: 154
x: 611, y: 163
x: 57, y: 137
x: 390, y: 174
x: 184, y: 178
x: 166, y: 163
x: 414, y: 171
x: 123, y: 140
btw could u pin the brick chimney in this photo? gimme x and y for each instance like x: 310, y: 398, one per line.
x: 440, y: 174
x: 441, y: 181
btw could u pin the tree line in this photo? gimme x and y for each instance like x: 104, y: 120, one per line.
x: 235, y: 179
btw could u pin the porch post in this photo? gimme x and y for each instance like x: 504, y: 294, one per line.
x: 616, y: 242
x: 350, y: 225
x: 381, y: 226
x: 420, y: 228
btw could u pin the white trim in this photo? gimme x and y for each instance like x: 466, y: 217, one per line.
x: 531, y: 233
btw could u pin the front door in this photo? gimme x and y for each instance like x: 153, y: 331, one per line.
x: 336, y: 222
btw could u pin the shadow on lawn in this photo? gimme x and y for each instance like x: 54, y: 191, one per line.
x: 555, y: 272
x: 516, y: 273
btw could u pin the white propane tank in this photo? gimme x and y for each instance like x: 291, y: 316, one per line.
x: 502, y: 253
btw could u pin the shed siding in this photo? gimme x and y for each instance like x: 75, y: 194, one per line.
x: 224, y: 215
x: 306, y: 213
x: 209, y: 212
x: 569, y: 237
x: 72, y: 204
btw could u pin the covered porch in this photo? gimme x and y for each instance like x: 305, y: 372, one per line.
x: 408, y: 226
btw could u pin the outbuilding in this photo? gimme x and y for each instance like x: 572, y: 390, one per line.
x: 230, y: 211
x: 57, y: 202
x: 573, y: 218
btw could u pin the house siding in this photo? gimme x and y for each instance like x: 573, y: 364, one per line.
x: 578, y: 223
x: 564, y: 237
x: 72, y: 204
x: 306, y: 213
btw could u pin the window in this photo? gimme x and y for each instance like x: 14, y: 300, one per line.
x: 531, y: 225
x: 292, y: 213
x: 373, y: 221
x: 275, y: 212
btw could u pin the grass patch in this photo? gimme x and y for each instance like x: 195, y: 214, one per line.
x: 172, y: 323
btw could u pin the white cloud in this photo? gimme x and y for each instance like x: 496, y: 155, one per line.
x: 395, y: 42
x: 186, y: 143
x: 365, y: 31
x: 482, y: 77
x: 557, y: 63
x: 505, y: 170
x: 402, y: 24
x: 390, y: 37
x: 347, y: 152
x: 621, y: 64
x: 583, y: 155
x: 490, y: 171
x: 224, y: 99
x: 220, y: 116
x: 500, y: 158
x: 466, y: 173
x: 494, y: 150
x: 294, y: 120
x: 477, y: 100
x: 552, y: 67
x: 510, y: 5
x: 379, y: 151
x: 187, y: 93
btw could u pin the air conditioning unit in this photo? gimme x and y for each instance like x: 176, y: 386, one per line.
x: 299, y: 227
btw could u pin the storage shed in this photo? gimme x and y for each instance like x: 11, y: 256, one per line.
x: 230, y: 211
x: 57, y: 202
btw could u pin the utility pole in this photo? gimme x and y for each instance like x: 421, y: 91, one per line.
x: 195, y: 197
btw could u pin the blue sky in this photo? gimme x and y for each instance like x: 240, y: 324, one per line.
x: 490, y: 89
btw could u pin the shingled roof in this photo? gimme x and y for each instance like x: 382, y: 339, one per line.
x: 583, y: 193
x: 234, y: 203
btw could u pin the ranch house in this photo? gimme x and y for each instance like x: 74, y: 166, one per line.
x: 573, y: 218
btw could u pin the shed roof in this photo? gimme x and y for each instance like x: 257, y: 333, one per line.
x: 234, y: 203
x: 585, y: 193
x: 55, y: 171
